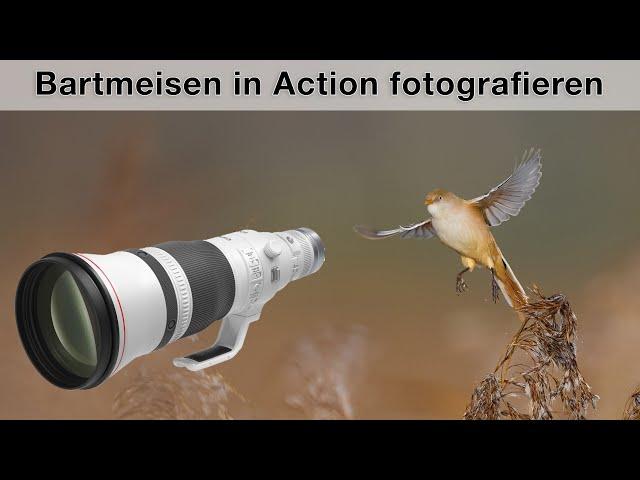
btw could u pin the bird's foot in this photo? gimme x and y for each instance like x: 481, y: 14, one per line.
x: 461, y: 285
x: 495, y: 288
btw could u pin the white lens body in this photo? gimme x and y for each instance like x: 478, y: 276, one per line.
x: 138, y: 300
x: 262, y: 264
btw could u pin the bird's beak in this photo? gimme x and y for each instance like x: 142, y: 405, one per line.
x: 428, y: 200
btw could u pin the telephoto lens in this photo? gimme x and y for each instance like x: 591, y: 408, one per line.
x: 83, y: 317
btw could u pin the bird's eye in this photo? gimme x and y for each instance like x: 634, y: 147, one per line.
x: 440, y: 197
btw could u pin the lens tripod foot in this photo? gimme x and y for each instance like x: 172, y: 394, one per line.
x: 229, y: 342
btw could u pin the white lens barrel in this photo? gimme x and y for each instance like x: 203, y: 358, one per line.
x: 313, y: 252
x: 138, y: 299
x: 172, y: 290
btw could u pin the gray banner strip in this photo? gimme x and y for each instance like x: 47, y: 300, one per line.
x: 209, y: 85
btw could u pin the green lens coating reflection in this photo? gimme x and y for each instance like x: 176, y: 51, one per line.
x: 71, y: 320
x: 65, y: 322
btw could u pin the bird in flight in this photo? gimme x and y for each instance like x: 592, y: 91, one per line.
x: 463, y: 225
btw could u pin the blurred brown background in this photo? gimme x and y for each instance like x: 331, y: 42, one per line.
x: 379, y: 332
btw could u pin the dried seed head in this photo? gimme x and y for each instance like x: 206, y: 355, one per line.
x: 632, y: 409
x: 549, y: 373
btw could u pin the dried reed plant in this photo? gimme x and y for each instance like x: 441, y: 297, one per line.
x: 176, y: 396
x: 632, y: 408
x: 324, y: 370
x: 538, y: 370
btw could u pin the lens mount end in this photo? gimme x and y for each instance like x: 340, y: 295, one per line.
x: 318, y: 248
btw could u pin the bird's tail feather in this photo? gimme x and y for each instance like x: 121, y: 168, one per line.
x: 513, y: 292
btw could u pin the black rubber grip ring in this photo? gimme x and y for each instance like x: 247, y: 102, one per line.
x: 209, y: 273
x: 167, y: 289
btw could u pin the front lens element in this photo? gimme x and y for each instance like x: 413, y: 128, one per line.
x: 71, y: 320
x: 67, y: 321
x: 64, y: 322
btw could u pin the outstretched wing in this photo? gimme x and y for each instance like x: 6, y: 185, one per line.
x: 417, y: 230
x: 507, y: 199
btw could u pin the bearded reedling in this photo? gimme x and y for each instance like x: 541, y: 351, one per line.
x: 463, y: 225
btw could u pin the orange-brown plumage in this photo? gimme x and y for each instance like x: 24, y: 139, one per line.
x: 464, y: 226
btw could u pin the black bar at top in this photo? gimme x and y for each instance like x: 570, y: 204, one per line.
x: 308, y: 44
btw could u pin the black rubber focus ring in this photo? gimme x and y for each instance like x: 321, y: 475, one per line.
x: 209, y: 273
x: 169, y: 292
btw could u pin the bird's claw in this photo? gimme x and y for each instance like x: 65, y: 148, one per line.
x: 461, y: 285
